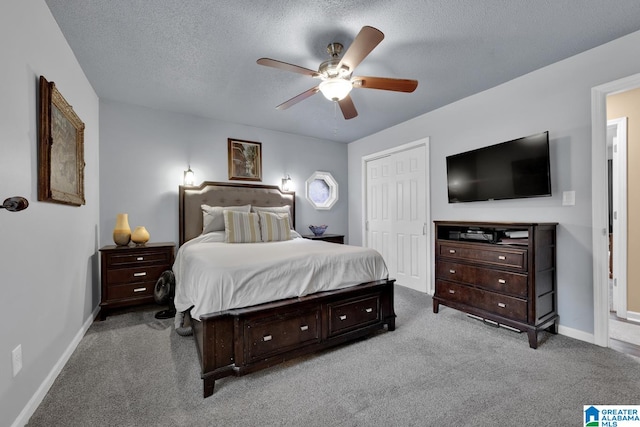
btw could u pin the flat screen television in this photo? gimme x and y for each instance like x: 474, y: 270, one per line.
x: 510, y: 170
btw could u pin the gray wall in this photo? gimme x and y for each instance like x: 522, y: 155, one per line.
x: 556, y: 98
x: 144, y: 153
x: 48, y: 258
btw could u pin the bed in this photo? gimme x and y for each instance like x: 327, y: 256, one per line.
x: 298, y: 296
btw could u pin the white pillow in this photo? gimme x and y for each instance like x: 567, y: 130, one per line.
x: 278, y: 210
x: 212, y: 218
x: 241, y: 227
x: 273, y: 227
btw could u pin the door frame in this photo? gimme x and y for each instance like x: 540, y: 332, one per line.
x: 428, y: 228
x: 599, y: 202
x: 619, y: 185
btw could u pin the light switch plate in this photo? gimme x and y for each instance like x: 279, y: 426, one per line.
x: 568, y: 198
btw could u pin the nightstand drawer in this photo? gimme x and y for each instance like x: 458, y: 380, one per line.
x: 134, y: 290
x: 116, y: 260
x: 135, y: 274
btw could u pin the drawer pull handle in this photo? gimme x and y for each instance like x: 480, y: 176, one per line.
x: 267, y: 338
x: 502, y: 281
x: 304, y: 327
x: 343, y: 317
x: 368, y: 310
x: 452, y: 251
x: 502, y: 257
x: 140, y: 258
x: 139, y: 289
x: 144, y: 273
x: 502, y: 305
x: 452, y: 271
x: 451, y: 291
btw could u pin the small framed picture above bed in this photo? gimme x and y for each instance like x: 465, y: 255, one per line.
x: 245, y: 160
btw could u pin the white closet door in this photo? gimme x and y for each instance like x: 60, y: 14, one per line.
x: 396, y: 214
x: 379, y: 222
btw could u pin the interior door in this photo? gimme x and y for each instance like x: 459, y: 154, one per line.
x: 397, y: 214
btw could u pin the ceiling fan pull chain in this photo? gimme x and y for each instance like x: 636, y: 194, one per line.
x: 335, y: 118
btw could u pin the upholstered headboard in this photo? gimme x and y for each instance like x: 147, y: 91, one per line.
x: 225, y: 194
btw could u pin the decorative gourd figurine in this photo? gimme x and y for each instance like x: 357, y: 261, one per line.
x: 140, y: 235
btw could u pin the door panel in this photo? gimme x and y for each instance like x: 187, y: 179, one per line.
x: 397, y: 213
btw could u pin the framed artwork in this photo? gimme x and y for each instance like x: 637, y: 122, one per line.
x: 321, y: 190
x: 60, y: 149
x: 245, y: 160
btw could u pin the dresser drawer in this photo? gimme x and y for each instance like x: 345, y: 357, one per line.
x: 486, y: 254
x: 503, y: 305
x: 135, y: 274
x: 119, y: 259
x: 132, y: 290
x: 282, y: 333
x: 495, y: 280
x: 350, y: 315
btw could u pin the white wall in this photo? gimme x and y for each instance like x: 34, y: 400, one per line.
x: 556, y: 98
x: 47, y: 252
x: 144, y: 153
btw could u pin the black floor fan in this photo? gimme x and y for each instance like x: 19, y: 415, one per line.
x: 164, y: 292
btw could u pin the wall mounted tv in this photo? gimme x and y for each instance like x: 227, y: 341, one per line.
x: 510, y: 170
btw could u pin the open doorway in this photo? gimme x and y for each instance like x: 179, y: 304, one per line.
x: 606, y: 240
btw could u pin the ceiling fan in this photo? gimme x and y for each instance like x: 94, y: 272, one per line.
x: 336, y: 73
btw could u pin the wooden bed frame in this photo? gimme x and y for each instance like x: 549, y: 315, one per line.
x: 244, y: 340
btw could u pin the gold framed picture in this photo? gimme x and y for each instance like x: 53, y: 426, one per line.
x: 60, y: 149
x: 245, y: 160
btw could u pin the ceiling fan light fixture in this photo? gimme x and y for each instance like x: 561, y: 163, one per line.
x: 335, y: 89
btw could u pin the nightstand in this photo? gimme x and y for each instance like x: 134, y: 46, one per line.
x: 129, y: 273
x: 333, y: 238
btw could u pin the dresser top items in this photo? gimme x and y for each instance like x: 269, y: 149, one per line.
x: 501, y: 233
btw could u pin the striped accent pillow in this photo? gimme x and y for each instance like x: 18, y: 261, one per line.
x: 241, y: 227
x: 274, y: 227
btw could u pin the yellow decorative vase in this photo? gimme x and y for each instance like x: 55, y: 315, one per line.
x: 140, y: 236
x: 122, y: 231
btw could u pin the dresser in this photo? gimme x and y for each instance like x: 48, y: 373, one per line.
x: 129, y: 273
x: 333, y: 238
x: 503, y: 273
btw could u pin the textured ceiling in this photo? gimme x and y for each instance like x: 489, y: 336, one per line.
x: 199, y: 57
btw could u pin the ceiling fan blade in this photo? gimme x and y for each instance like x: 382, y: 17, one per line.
x: 304, y: 95
x: 384, y: 83
x: 366, y: 40
x: 347, y: 107
x: 268, y: 62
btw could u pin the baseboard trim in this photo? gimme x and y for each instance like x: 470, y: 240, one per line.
x: 577, y: 334
x: 36, y: 399
x: 632, y: 316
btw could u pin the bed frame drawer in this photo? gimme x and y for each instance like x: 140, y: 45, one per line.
x: 349, y: 315
x: 278, y: 334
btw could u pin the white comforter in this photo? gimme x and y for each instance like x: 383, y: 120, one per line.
x: 213, y: 276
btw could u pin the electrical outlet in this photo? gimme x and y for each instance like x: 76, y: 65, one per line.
x: 16, y: 358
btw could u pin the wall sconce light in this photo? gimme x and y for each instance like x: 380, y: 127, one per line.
x: 15, y: 204
x: 189, y: 177
x: 287, y: 183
